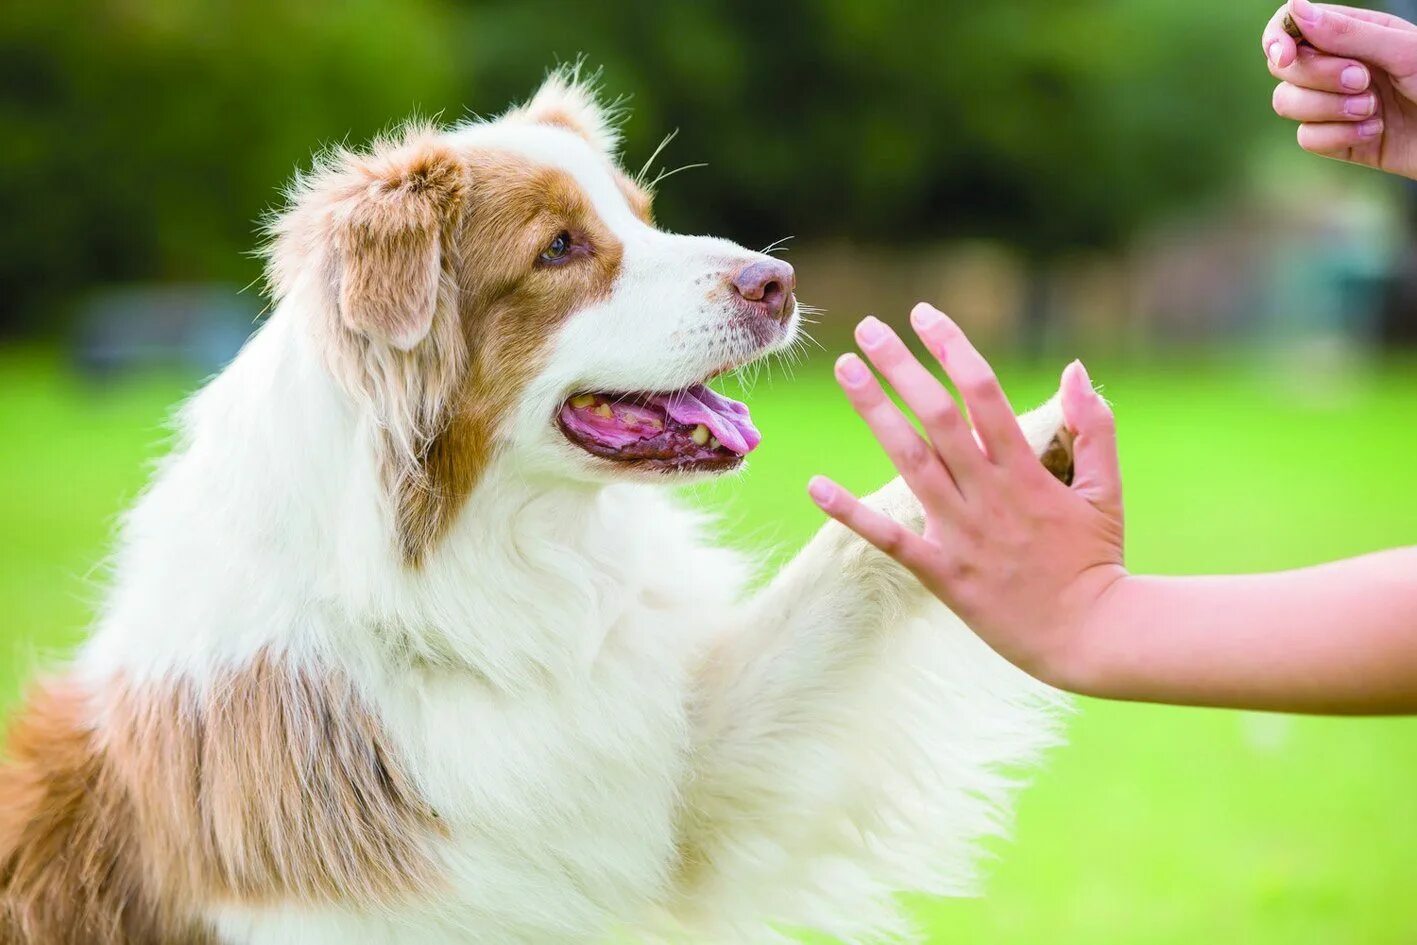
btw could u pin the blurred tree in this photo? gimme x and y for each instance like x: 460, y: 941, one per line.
x: 144, y: 136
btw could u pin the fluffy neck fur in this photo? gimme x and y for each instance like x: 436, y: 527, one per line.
x: 275, y: 480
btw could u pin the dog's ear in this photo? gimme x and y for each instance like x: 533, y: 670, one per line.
x: 569, y: 100
x: 388, y: 236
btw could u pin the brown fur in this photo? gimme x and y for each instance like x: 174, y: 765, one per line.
x: 1058, y: 457
x: 71, y: 869
x: 389, y: 240
x: 271, y: 783
x: 641, y: 201
x: 420, y: 237
x: 508, y: 307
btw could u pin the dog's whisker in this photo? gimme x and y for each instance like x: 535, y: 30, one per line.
x: 776, y: 245
x: 659, y: 148
x: 665, y: 175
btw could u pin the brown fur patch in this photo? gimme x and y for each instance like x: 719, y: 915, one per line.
x: 508, y: 306
x: 271, y: 783
x: 559, y: 116
x: 1058, y: 457
x: 71, y: 867
x: 641, y: 201
x: 388, y: 242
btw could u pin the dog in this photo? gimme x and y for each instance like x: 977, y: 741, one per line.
x: 407, y: 641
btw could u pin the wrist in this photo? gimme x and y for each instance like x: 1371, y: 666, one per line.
x: 1082, y: 662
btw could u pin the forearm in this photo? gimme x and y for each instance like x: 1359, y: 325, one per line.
x: 1336, y: 638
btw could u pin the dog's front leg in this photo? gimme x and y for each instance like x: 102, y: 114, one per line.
x: 845, y: 746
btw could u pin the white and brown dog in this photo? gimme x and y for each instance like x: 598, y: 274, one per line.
x: 407, y: 643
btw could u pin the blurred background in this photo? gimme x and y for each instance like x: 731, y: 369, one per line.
x: 1094, y: 178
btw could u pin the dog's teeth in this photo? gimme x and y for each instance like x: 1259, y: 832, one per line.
x: 700, y: 434
x: 604, y: 411
x: 581, y: 401
x: 713, y: 443
x: 654, y: 423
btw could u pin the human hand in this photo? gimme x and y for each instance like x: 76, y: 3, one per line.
x: 1352, y: 85
x: 1020, y: 557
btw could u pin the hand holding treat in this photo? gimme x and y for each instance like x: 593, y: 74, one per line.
x: 1349, y: 77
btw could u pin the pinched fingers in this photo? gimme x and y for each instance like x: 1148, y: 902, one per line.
x: 1279, y: 47
x: 1301, y: 104
x: 919, y: 465
x: 1311, y: 69
x: 925, y: 396
x: 1385, y: 42
x: 1373, y: 16
x: 989, y: 411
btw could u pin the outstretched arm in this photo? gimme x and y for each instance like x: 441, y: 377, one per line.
x: 1036, y: 568
x: 1337, y: 638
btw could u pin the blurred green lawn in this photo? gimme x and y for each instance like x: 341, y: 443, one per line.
x: 1153, y: 825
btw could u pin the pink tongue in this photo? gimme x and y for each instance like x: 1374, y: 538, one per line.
x: 726, y: 419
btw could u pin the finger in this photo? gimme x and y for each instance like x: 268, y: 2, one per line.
x: 1373, y: 16
x: 1338, y: 138
x: 1312, y: 69
x: 989, y: 411
x: 1290, y: 101
x: 1097, y: 476
x: 925, y: 396
x: 917, y: 463
x: 1279, y: 47
x: 1338, y: 33
x: 880, y: 530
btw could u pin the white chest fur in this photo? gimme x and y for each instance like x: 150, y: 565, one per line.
x: 561, y: 803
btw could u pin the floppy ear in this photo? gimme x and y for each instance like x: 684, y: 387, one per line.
x: 388, y: 238
x: 569, y: 101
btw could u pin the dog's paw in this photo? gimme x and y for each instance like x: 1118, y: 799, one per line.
x: 895, y: 500
x: 1047, y: 433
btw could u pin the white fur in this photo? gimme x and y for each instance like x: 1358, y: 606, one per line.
x: 576, y: 676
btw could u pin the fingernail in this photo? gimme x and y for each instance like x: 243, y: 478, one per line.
x: 852, y: 370
x: 1306, y: 11
x: 820, y: 490
x: 1354, y: 78
x: 1371, y: 127
x: 925, y: 316
x: 1275, y: 49
x: 870, y: 332
x: 1359, y: 105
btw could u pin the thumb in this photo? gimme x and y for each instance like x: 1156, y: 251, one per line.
x: 1096, y: 475
x: 1331, y: 29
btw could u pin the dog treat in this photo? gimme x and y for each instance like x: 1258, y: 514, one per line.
x: 1292, y: 28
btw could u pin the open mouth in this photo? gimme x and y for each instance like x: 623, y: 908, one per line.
x: 693, y: 429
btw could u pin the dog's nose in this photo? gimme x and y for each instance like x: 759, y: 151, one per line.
x: 767, y: 284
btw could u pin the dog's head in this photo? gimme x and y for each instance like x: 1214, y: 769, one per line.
x: 498, y: 291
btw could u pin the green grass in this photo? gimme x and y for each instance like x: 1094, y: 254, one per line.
x: 1153, y: 825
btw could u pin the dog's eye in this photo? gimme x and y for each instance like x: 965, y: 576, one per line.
x: 558, y: 250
